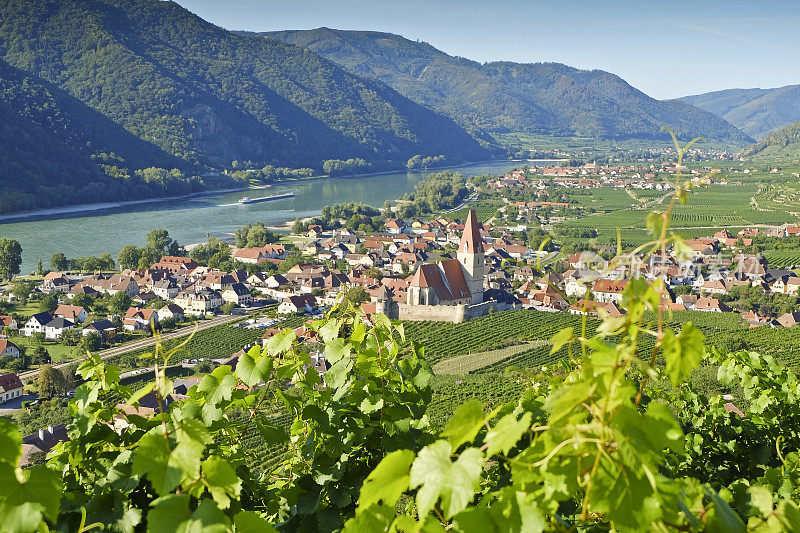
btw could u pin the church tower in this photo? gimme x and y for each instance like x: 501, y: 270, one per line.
x: 471, y: 256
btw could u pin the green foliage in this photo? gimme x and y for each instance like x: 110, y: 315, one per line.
x: 504, y: 96
x: 257, y: 234
x: 10, y: 257
x: 137, y: 131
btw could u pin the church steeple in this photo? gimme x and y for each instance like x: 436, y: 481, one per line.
x: 471, y: 256
x: 471, y: 240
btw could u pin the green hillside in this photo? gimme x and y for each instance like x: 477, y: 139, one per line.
x: 755, y: 111
x: 783, y: 144
x: 547, y: 98
x: 55, y: 150
x: 209, y: 96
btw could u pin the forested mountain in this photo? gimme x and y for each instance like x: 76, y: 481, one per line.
x: 54, y: 149
x: 542, y: 97
x: 781, y: 144
x: 210, y: 96
x: 754, y: 111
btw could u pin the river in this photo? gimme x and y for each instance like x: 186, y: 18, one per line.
x: 189, y: 220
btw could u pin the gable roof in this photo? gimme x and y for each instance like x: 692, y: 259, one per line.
x: 5, y: 343
x: 10, y: 381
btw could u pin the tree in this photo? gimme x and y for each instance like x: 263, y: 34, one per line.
x: 257, y: 234
x: 38, y: 355
x: 10, y: 257
x: 39, y: 268
x: 59, y: 262
x: 90, y: 343
x: 297, y: 227
x: 83, y: 300
x: 227, y: 307
x: 356, y: 295
x: 22, y: 291
x: 119, y: 303
x: 49, y: 303
x: 159, y: 239
x: 50, y: 381
x: 128, y: 257
x: 67, y: 380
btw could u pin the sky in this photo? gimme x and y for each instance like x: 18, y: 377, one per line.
x: 665, y: 48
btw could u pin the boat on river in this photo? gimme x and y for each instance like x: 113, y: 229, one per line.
x: 247, y: 200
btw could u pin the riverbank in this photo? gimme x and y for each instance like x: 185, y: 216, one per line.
x: 102, y: 206
x: 81, y: 234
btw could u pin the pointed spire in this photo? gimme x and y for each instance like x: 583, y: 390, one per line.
x: 471, y: 241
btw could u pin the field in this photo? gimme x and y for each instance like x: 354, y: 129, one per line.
x: 783, y: 258
x: 466, y: 364
x: 443, y: 340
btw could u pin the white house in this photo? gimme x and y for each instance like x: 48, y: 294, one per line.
x: 75, y: 313
x: 10, y: 387
x: 8, y: 348
x: 36, y: 324
x: 170, y: 311
x: 299, y: 303
x: 57, y: 326
x: 238, y: 294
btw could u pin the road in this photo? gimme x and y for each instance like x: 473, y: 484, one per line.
x: 144, y: 343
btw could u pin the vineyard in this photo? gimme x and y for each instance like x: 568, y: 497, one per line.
x: 212, y: 343
x: 449, y: 392
x: 443, y: 339
x: 783, y: 258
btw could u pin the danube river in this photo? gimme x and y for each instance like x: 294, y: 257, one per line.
x: 190, y: 220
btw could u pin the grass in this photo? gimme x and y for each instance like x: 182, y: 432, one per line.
x: 464, y: 364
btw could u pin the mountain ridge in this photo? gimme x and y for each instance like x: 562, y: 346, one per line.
x: 547, y: 98
x: 755, y: 111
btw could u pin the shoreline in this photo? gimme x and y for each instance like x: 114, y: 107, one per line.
x: 102, y: 206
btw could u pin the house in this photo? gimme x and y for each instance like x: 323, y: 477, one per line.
x: 8, y: 348
x: 36, y: 446
x: 238, y: 294
x: 686, y: 300
x: 55, y: 282
x: 74, y: 313
x: 137, y: 319
x: 170, y: 312
x: 260, y: 254
x: 217, y: 280
x: 7, y: 321
x: 10, y: 387
x: 607, y: 290
x: 299, y: 303
x: 105, y: 328
x: 200, y: 303
x: 394, y: 226
x: 57, y: 326
x: 314, y: 231
x: 584, y: 307
x: 175, y: 264
x: 166, y: 289
x: 114, y: 284
x: 36, y: 324
x: 709, y: 305
x: 788, y: 320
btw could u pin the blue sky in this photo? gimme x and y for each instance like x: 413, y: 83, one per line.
x: 667, y: 49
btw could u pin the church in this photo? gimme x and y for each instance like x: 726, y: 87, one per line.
x: 451, y: 290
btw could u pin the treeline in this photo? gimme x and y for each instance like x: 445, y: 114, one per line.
x: 421, y: 163
x: 442, y: 190
x: 355, y: 216
x: 158, y: 244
